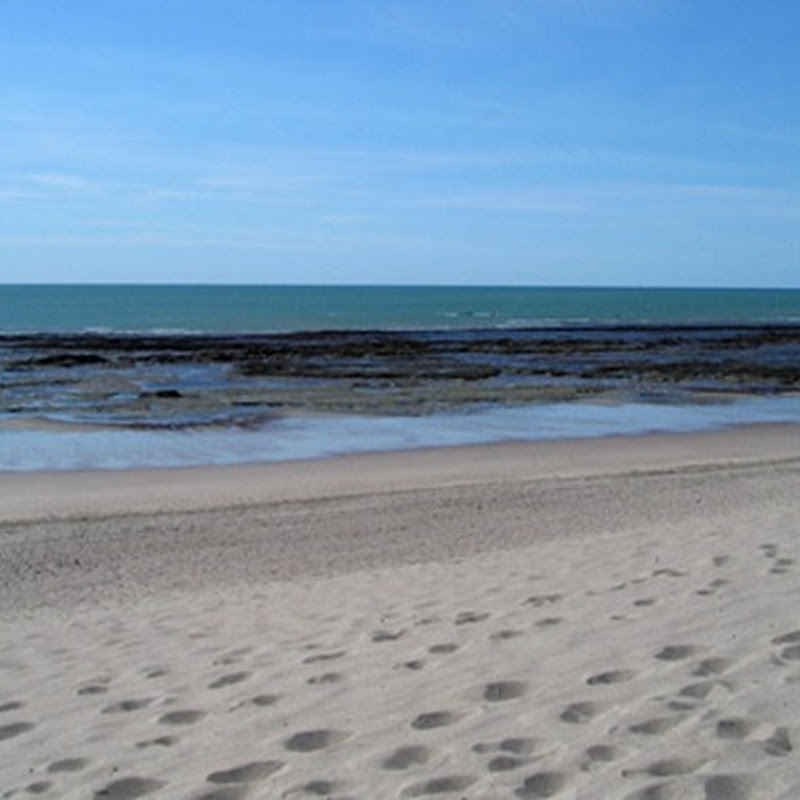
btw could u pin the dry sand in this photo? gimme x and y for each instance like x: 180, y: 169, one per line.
x: 611, y: 618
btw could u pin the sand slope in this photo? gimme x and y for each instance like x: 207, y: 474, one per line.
x: 597, y: 620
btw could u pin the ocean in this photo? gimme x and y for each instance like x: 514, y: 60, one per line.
x: 259, y: 309
x: 156, y: 376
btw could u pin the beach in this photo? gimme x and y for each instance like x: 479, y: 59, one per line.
x: 612, y: 617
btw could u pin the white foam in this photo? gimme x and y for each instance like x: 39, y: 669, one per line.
x: 300, y: 438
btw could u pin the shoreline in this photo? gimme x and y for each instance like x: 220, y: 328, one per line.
x: 54, y: 494
x: 592, y: 618
x: 314, y: 436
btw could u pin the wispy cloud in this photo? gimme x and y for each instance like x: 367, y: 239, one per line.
x: 598, y: 201
x: 601, y: 13
x: 556, y: 202
x: 307, y: 241
x: 37, y: 187
x: 770, y: 136
x: 59, y: 182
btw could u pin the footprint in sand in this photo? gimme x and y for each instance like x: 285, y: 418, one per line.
x: 601, y: 754
x: 326, y: 677
x: 791, y: 653
x: 13, y: 705
x: 698, y: 691
x: 252, y: 772
x: 181, y: 717
x: 517, y: 745
x: 387, y: 636
x: 779, y: 743
x: 408, y: 756
x: 539, y: 600
x: 233, y: 657
x: 787, y: 638
x: 580, y: 713
x: 656, y: 726
x: 657, y: 791
x: 792, y: 639
x: 736, y: 727
x: 712, y: 666
x: 414, y: 665
x: 443, y: 785
x: 93, y: 688
x: 229, y: 680
x: 520, y: 745
x: 611, y: 677
x: 265, y: 699
x: 542, y: 784
x: 317, y: 788
x: 129, y: 788
x: 68, y: 765
x: 126, y: 705
x: 233, y: 792
x: 321, y: 788
x: 469, y: 617
x: 15, y: 729
x: 499, y: 691
x: 682, y: 706
x: 712, y: 587
x: 501, y: 636
x: 667, y: 767
x: 443, y: 649
x: 668, y: 572
x: 546, y: 622
x: 156, y: 672
x: 161, y: 741
x: 323, y: 657
x: 309, y: 741
x: 434, y: 719
x: 728, y: 787
x: 505, y: 763
x: 38, y: 787
x: 677, y: 652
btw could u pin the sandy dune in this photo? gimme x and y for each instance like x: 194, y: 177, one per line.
x: 597, y: 619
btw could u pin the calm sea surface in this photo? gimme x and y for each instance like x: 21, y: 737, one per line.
x: 133, y: 376
x: 257, y: 309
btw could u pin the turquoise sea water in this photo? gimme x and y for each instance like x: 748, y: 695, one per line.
x: 247, y: 309
x: 34, y: 440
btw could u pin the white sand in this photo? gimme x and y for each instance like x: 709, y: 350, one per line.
x: 596, y: 619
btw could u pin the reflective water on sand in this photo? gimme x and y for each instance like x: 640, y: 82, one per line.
x: 35, y: 447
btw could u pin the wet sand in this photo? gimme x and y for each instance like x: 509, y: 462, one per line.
x: 599, y: 618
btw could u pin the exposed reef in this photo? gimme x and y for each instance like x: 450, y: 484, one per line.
x: 186, y: 380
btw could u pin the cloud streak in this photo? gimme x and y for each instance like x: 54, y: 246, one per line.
x: 488, y: 131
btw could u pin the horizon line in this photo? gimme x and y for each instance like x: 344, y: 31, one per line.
x: 359, y: 285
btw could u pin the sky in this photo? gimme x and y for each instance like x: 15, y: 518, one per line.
x: 472, y: 142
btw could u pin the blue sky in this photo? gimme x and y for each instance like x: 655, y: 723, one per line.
x: 533, y: 142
